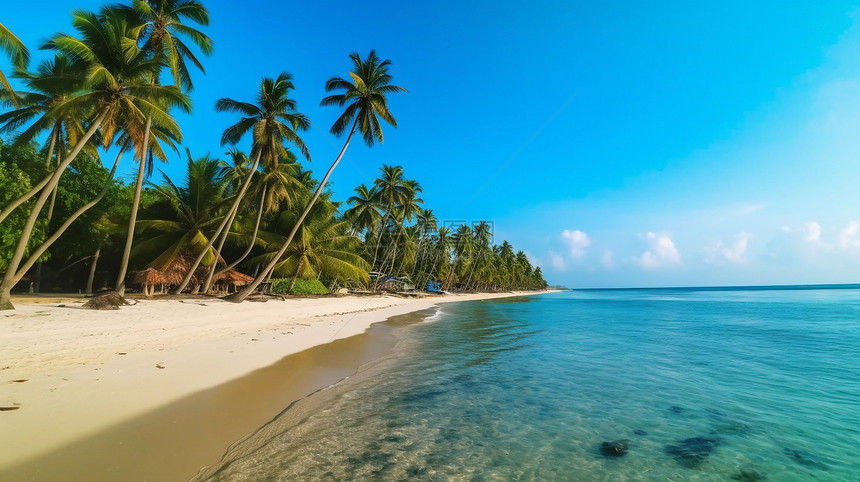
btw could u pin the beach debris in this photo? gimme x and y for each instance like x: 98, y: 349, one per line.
x: 748, y: 475
x: 22, y: 380
x: 159, y: 365
x: 8, y: 408
x: 691, y: 452
x: 640, y: 432
x: 613, y: 449
x: 121, y: 353
x: 106, y: 301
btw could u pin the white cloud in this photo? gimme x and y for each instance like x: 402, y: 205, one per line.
x: 607, y: 259
x: 576, y: 242
x: 718, y: 253
x: 663, y: 252
x: 813, y: 232
x: 848, y: 239
x: 556, y: 261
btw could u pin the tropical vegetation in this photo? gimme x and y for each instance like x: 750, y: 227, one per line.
x: 112, y: 88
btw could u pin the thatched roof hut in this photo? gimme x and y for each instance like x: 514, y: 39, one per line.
x: 234, y: 277
x: 148, y: 278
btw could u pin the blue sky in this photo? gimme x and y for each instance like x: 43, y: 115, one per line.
x: 619, y: 144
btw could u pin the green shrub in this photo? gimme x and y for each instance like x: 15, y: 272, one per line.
x: 302, y: 287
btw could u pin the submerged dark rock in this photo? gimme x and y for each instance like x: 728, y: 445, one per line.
x: 748, y: 475
x: 804, y: 458
x: 691, y: 452
x: 640, y: 432
x: 613, y: 449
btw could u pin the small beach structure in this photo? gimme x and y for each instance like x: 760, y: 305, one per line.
x: 232, y: 278
x: 147, y: 279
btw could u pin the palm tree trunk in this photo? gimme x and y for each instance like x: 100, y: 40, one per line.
x: 208, y: 283
x: 240, y: 296
x: 9, y: 278
x: 135, y: 204
x: 253, y: 236
x: 38, y: 285
x: 298, y: 270
x: 214, y: 236
x: 89, y: 288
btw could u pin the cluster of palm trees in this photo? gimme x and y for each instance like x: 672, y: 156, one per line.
x: 113, y: 86
x: 403, y: 240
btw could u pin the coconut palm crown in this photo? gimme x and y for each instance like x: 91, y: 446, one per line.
x: 365, y: 97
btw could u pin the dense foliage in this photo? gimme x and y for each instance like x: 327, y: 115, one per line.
x: 66, y: 224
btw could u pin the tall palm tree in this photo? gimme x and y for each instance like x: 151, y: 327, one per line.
x: 273, y: 121
x: 409, y: 206
x: 117, y: 93
x: 161, y: 33
x: 392, y: 190
x: 276, y: 187
x: 365, y: 103
x: 15, y: 49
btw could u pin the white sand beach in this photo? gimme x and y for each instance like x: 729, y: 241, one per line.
x: 66, y: 373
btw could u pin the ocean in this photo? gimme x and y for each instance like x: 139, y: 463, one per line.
x: 648, y: 384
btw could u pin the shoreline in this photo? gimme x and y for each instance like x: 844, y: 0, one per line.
x: 87, y: 371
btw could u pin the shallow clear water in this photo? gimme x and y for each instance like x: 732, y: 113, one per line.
x: 698, y: 384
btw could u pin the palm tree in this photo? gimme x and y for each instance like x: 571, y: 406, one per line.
x: 183, y: 221
x: 366, y: 103
x: 276, y: 186
x: 273, y: 121
x: 409, y: 206
x: 162, y: 29
x: 19, y: 54
x: 392, y: 190
x: 118, y: 95
x: 322, y: 248
x: 364, y: 213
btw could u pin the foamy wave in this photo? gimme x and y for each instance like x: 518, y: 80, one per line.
x: 435, y: 316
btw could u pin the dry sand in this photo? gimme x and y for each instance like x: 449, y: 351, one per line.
x: 68, y: 373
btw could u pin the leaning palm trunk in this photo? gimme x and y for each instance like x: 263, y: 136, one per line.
x: 132, y: 219
x: 221, y: 241
x: 38, y: 286
x: 9, y: 279
x: 234, y: 208
x: 253, y: 238
x: 62, y: 229
x: 240, y: 296
x: 89, y: 288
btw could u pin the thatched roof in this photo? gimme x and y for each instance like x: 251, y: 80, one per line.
x: 174, y: 272
x: 149, y: 276
x: 234, y: 277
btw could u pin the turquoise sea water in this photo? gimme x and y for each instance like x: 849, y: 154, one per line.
x: 716, y: 384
